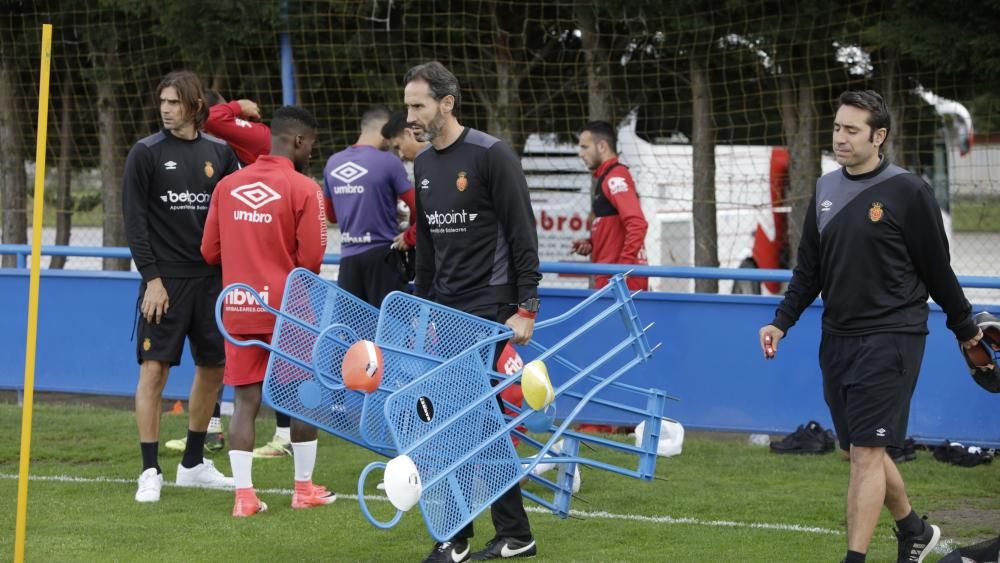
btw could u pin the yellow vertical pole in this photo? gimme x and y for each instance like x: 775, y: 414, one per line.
x: 36, y: 264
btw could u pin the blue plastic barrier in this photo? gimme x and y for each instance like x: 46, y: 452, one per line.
x: 709, y: 350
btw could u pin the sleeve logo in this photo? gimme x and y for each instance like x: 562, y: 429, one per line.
x: 617, y: 185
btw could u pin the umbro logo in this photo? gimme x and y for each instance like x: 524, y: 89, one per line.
x: 826, y: 205
x: 880, y: 432
x: 255, y: 195
x: 170, y: 165
x: 348, y: 172
x: 425, y: 184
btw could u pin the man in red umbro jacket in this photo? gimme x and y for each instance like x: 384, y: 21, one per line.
x: 264, y: 221
x: 238, y: 123
x: 618, y: 230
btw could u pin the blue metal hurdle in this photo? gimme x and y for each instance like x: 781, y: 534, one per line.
x: 450, y: 424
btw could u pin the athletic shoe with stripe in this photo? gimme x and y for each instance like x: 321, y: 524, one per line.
x: 277, y: 447
x: 506, y: 548
x: 308, y: 495
x: 214, y: 442
x: 247, y: 503
x: 913, y: 548
x: 454, y: 551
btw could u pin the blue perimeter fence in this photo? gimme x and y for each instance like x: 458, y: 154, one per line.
x: 710, y: 359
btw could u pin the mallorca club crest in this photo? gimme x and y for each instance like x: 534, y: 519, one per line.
x: 209, y: 170
x: 462, y: 182
x: 876, y: 211
x: 146, y: 345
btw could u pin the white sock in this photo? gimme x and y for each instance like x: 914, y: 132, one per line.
x: 305, y: 459
x: 214, y: 424
x: 242, y: 463
x: 284, y: 433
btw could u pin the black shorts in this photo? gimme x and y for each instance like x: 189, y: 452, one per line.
x: 191, y: 314
x: 867, y: 383
x: 373, y: 274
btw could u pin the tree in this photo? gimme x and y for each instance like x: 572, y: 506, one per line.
x: 14, y: 187
x: 800, y: 43
x: 64, y: 196
x: 600, y: 93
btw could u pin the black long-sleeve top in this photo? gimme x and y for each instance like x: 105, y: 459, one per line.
x: 167, y: 187
x: 875, y: 246
x: 476, y: 238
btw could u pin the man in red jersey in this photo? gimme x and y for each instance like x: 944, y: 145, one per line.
x: 618, y: 231
x: 238, y: 123
x: 264, y: 221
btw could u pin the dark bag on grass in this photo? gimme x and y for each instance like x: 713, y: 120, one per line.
x: 984, y: 552
x: 956, y: 453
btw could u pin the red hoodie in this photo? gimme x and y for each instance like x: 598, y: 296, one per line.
x: 249, y: 139
x: 264, y: 220
x: 619, y: 228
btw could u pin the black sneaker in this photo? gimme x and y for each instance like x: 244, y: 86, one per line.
x: 807, y: 439
x: 506, y: 548
x: 913, y: 548
x: 454, y: 551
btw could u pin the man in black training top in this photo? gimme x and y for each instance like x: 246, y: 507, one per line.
x: 874, y: 244
x: 169, y: 180
x: 477, y: 251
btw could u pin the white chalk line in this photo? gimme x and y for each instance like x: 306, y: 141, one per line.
x: 944, y: 547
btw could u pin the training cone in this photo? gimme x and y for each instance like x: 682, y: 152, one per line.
x: 402, y: 482
x: 178, y: 408
x: 536, y: 386
x: 362, y: 366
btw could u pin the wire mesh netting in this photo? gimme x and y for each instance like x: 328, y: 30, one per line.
x: 723, y: 111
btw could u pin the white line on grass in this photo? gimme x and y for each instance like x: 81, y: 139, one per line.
x: 944, y: 547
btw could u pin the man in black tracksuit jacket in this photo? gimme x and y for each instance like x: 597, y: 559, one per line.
x: 874, y: 244
x: 477, y: 251
x: 168, y: 184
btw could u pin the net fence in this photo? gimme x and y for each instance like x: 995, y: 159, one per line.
x: 724, y: 110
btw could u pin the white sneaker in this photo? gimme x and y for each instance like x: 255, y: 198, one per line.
x: 203, y: 475
x: 150, y: 483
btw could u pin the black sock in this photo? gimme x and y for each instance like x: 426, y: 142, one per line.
x: 217, y: 413
x: 282, y: 420
x: 193, y: 454
x: 150, y: 453
x: 854, y: 557
x: 911, y: 525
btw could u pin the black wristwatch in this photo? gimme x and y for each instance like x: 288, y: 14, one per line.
x: 530, y: 305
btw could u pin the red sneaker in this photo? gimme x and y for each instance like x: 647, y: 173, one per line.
x: 307, y: 495
x: 247, y: 503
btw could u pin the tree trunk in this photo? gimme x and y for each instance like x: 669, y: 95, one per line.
x: 706, y: 242
x: 14, y: 190
x: 889, y: 87
x: 504, y: 111
x: 798, y: 116
x: 64, y: 197
x: 112, y: 166
x: 600, y: 105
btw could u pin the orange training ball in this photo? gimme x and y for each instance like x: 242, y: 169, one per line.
x: 362, y: 366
